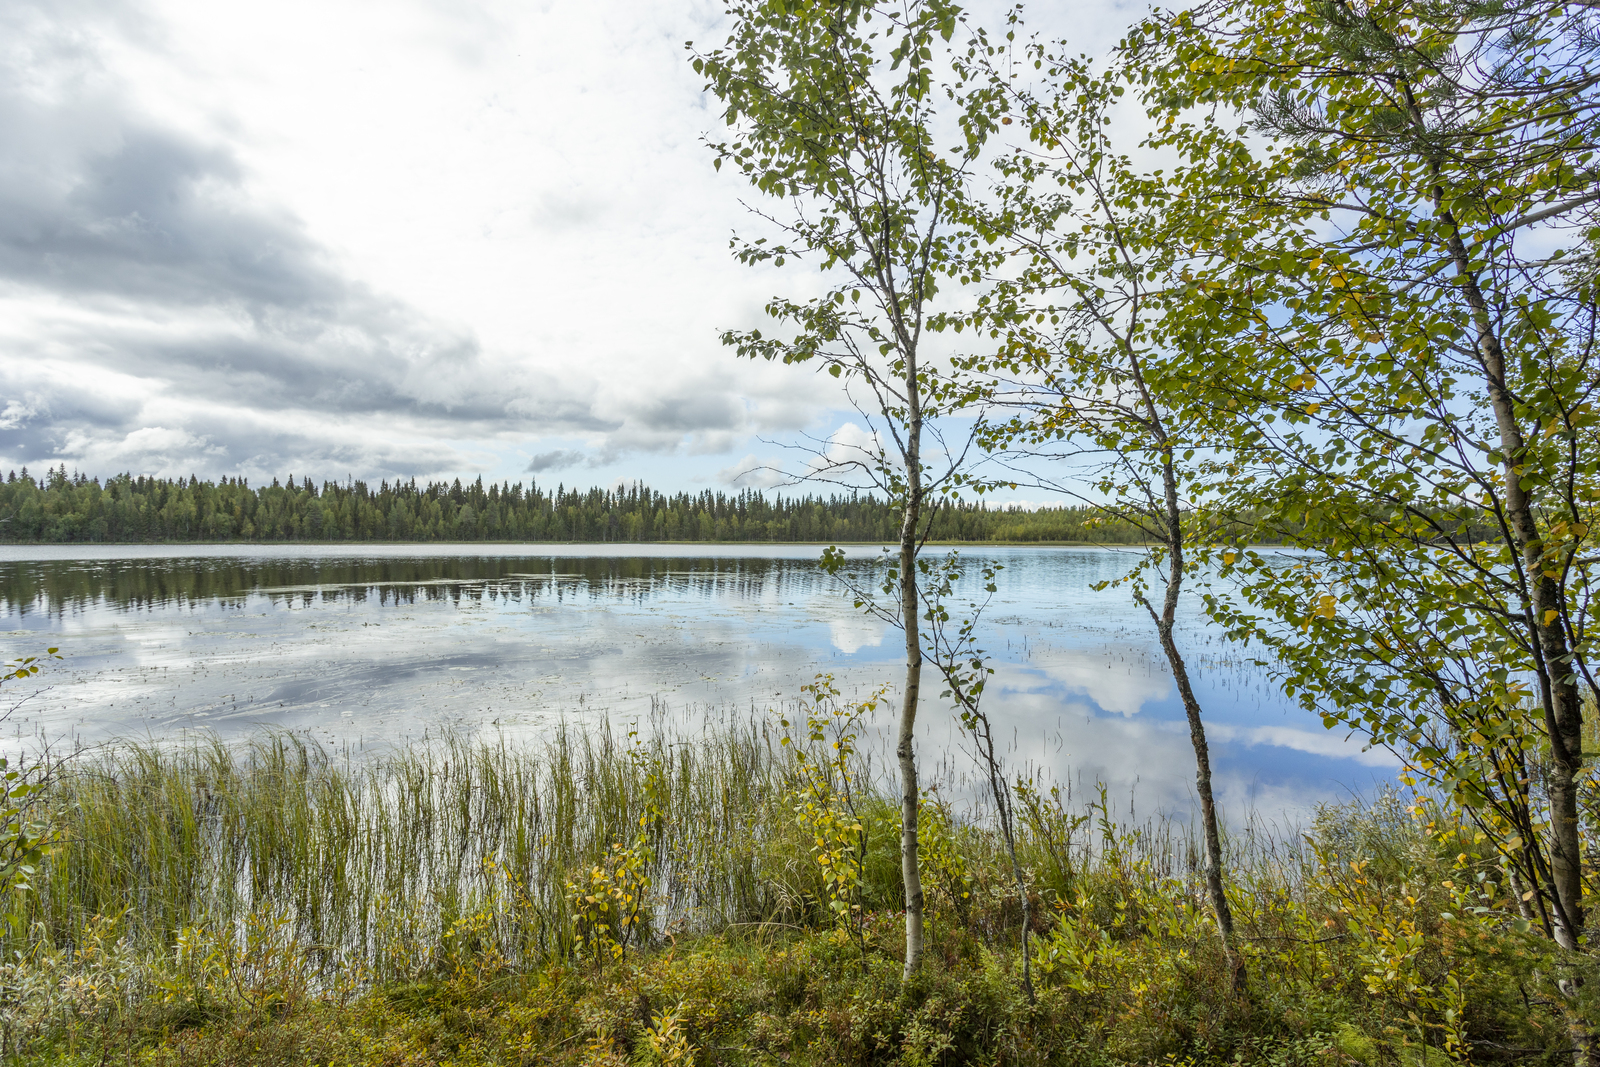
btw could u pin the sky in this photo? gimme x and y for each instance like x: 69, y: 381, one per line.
x: 408, y: 239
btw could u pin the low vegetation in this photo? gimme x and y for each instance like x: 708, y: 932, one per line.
x: 732, y: 899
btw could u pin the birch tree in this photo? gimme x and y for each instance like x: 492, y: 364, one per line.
x: 1094, y: 359
x: 1397, y: 206
x: 831, y: 109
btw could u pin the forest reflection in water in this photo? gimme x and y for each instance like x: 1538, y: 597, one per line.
x: 57, y: 586
x: 383, y: 643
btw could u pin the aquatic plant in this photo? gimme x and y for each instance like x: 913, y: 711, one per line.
x: 277, y: 902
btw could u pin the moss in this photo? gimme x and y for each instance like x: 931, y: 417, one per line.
x: 1355, y: 1045
x: 730, y: 1001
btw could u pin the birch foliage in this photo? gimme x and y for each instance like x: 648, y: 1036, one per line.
x: 1395, y: 204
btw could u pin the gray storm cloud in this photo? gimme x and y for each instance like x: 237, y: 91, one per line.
x: 203, y: 303
x: 559, y: 459
x: 162, y: 312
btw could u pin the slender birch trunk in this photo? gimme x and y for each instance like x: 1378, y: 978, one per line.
x: 1558, y: 681
x: 1170, y: 519
x: 1547, y: 638
x: 1165, y: 621
x: 905, y: 748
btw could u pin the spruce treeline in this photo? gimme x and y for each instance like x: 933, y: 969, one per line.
x: 67, y: 508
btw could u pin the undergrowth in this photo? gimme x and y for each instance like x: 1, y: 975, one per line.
x: 733, y: 900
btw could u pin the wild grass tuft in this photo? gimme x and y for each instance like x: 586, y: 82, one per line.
x: 273, y: 902
x: 374, y: 859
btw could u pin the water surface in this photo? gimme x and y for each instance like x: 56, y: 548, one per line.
x: 365, y: 645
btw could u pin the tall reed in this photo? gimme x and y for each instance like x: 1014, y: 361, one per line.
x: 374, y: 858
x: 207, y: 883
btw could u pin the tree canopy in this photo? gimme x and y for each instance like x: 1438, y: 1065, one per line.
x: 74, y: 508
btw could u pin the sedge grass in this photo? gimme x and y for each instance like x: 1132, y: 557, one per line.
x: 377, y: 857
x: 373, y: 858
x: 207, y: 885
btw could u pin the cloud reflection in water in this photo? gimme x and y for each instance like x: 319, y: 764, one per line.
x: 386, y: 642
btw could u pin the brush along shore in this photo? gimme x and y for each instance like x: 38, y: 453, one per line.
x: 728, y: 899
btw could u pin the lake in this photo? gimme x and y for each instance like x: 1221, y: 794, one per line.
x: 374, y: 645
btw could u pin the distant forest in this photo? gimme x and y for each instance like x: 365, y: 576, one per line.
x: 64, y: 507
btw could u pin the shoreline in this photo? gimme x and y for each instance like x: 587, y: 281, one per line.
x: 466, y: 544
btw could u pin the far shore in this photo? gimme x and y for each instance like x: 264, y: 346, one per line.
x: 469, y: 544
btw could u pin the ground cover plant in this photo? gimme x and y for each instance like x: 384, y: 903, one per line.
x: 733, y: 899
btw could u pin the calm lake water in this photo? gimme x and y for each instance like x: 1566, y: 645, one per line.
x: 375, y: 645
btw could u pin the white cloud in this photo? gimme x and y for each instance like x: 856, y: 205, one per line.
x: 153, y: 448
x: 1113, y: 688
x: 399, y: 234
x: 15, y: 414
x: 852, y: 633
x: 1315, y: 742
x: 851, y: 456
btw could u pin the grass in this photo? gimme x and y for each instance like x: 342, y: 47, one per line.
x: 372, y: 859
x: 273, y: 902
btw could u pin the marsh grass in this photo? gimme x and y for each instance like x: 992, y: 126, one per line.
x: 278, y: 892
x: 375, y: 858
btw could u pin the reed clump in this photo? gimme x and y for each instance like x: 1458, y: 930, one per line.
x: 373, y: 859
x: 596, y: 898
